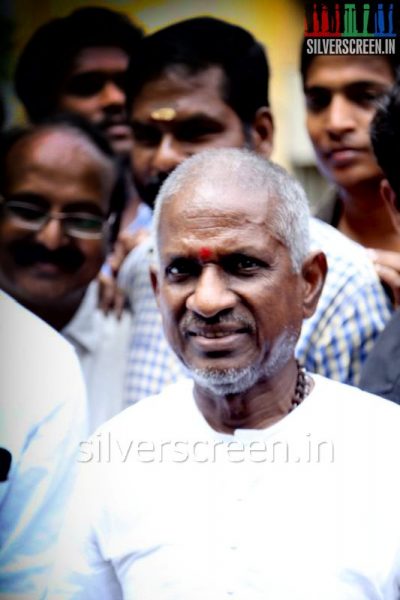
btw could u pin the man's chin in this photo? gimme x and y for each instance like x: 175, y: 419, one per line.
x: 43, y: 292
x: 122, y: 146
x: 227, y: 381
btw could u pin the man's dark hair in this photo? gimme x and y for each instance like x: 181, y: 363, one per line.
x: 10, y: 137
x: 306, y: 59
x: 200, y: 43
x: 385, y: 136
x: 50, y: 52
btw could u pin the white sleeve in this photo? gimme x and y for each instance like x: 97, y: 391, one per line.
x: 43, y: 419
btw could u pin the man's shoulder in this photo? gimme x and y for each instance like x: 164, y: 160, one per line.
x: 39, y: 373
x: 344, y: 255
x: 363, y: 428
x: 137, y: 261
x: 157, y: 415
x: 90, y: 327
x: 381, y: 373
x: 22, y: 331
x: 335, y: 241
x: 354, y: 402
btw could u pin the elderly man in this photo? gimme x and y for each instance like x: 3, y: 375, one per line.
x: 203, y: 83
x: 194, y: 497
x: 60, y: 205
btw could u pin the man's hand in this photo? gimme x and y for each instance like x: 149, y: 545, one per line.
x: 125, y: 243
x: 387, y: 266
x: 111, y: 297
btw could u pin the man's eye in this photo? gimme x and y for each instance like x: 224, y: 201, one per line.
x: 317, y: 99
x: 242, y: 265
x: 367, y: 97
x: 147, y: 136
x: 84, y: 222
x: 181, y: 269
x: 194, y: 132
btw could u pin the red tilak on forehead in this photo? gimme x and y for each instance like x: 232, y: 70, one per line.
x: 204, y: 253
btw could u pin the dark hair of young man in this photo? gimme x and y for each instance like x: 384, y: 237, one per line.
x: 385, y: 136
x: 49, y: 54
x: 10, y: 137
x: 198, y: 44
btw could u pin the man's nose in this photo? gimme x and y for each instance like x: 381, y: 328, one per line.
x: 112, y: 95
x: 168, y: 154
x: 51, y: 234
x: 340, y: 117
x: 211, y: 294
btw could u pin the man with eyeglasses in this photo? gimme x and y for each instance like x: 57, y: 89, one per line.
x: 60, y: 208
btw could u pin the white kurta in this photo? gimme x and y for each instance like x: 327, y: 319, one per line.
x: 169, y: 509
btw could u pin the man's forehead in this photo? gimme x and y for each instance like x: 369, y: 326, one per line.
x: 99, y: 58
x: 326, y: 70
x: 224, y: 203
x: 212, y: 236
x: 59, y: 149
x: 177, y: 83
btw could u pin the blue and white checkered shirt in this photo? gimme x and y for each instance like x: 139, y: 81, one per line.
x: 352, y: 310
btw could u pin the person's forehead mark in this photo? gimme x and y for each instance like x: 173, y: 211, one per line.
x: 205, y: 253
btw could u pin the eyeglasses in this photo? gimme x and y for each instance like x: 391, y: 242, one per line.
x: 80, y: 224
x: 85, y: 85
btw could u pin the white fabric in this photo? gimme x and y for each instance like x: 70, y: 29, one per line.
x: 307, y: 509
x: 42, y: 421
x: 101, y: 343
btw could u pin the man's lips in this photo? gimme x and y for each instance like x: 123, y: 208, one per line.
x: 47, y: 268
x: 343, y: 155
x: 216, y: 332
x: 117, y: 129
x: 217, y: 339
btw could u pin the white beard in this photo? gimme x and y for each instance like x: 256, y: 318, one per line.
x: 229, y: 381
x: 239, y: 380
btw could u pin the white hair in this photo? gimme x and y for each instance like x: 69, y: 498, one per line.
x: 290, y: 216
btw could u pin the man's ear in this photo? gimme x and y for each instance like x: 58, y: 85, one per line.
x: 390, y: 199
x: 154, y: 281
x: 262, y: 132
x: 314, y: 271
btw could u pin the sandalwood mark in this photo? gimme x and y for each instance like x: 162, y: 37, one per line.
x: 165, y: 113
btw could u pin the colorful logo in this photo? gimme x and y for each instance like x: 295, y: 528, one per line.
x: 330, y: 18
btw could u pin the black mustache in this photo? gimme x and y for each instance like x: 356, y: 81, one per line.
x: 113, y: 115
x: 109, y: 122
x: 192, y: 320
x: 27, y: 254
